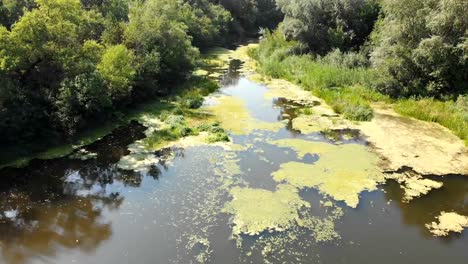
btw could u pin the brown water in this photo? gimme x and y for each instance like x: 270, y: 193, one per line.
x: 73, y: 211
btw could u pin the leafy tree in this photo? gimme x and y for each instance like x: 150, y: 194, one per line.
x: 156, y: 32
x: 118, y: 71
x: 328, y: 24
x: 79, y: 98
x: 421, y: 47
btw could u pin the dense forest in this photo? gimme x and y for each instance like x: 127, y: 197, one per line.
x: 67, y: 63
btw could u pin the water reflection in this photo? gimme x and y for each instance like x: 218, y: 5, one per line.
x: 97, y: 212
x: 56, y: 204
x: 232, y: 75
x: 39, y: 230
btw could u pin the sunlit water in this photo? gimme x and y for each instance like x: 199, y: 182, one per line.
x: 71, y: 211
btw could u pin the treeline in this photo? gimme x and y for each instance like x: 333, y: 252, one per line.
x: 67, y: 63
x: 412, y: 53
x: 418, y: 47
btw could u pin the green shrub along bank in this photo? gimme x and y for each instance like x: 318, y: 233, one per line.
x: 343, y: 88
x: 347, y: 83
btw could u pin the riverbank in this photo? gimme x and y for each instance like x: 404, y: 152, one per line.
x: 185, y: 97
x: 346, y: 89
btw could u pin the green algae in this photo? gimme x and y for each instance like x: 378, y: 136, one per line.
x: 414, y: 185
x: 251, y: 216
x: 202, y: 246
x: 83, y: 154
x: 234, y: 117
x: 303, y: 147
x: 342, y: 171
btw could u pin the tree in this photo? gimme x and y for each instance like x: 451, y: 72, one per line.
x: 118, y: 71
x: 421, y: 47
x: 327, y: 24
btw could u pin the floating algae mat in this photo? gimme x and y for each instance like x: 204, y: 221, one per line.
x: 235, y: 117
x: 342, y: 171
x: 256, y: 175
x: 257, y: 210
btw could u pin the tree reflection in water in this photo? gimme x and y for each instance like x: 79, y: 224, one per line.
x: 56, y: 204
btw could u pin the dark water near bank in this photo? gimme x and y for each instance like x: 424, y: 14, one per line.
x: 73, y: 211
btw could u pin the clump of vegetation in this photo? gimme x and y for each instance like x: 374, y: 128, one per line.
x: 421, y: 48
x: 217, y: 133
x: 343, y: 88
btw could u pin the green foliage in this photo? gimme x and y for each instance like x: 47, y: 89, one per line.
x: 155, y: 31
x: 421, y: 48
x: 79, y: 98
x: 117, y: 69
x: 324, y: 25
x: 341, y: 86
x: 251, y: 15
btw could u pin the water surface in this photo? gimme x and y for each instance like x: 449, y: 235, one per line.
x: 74, y: 211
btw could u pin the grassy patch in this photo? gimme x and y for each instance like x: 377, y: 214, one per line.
x: 343, y: 88
x: 450, y: 114
x: 346, y: 88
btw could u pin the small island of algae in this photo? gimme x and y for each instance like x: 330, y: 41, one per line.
x: 342, y: 171
x: 448, y: 222
x: 234, y: 116
x: 258, y: 210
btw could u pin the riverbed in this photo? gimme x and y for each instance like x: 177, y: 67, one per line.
x: 252, y: 200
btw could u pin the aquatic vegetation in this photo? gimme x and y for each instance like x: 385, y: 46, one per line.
x: 83, y: 154
x: 414, y: 185
x: 252, y: 217
x: 234, y: 117
x: 203, y: 246
x: 342, y: 171
x: 448, y: 222
x: 307, y: 124
x: 426, y: 148
x: 139, y: 162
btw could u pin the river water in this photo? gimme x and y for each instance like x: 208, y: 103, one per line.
x: 90, y: 211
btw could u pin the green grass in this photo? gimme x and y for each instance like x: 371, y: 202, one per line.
x: 341, y: 87
x: 449, y: 114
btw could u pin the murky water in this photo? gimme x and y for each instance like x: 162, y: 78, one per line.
x: 74, y: 211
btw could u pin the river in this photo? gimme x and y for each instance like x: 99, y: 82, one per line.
x: 181, y: 209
